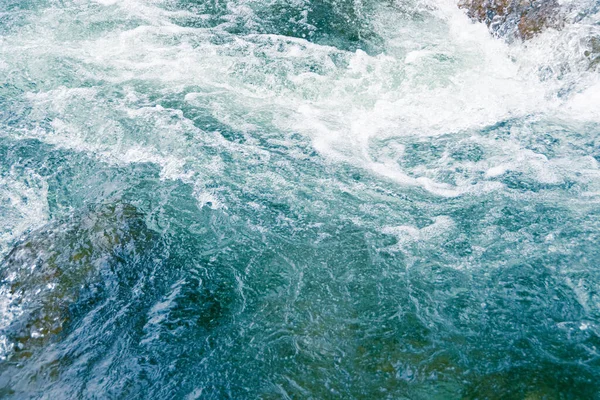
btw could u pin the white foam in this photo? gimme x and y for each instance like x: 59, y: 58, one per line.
x: 439, y: 74
x: 24, y: 205
x: 406, y: 234
x: 8, y: 313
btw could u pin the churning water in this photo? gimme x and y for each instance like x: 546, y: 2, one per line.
x: 296, y: 199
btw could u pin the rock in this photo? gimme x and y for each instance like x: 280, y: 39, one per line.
x: 522, y: 19
x: 593, y: 51
x: 44, y: 275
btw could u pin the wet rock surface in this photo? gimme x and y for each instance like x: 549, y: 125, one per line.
x: 525, y: 19
x: 593, y: 51
x: 516, y: 18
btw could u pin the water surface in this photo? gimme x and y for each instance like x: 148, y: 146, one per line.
x: 296, y: 199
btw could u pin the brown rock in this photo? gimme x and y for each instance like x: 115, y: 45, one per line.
x: 522, y: 19
x: 593, y: 51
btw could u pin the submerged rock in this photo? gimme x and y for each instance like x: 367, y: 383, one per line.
x: 44, y: 275
x: 593, y: 51
x: 519, y: 18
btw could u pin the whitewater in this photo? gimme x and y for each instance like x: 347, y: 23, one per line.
x: 297, y: 199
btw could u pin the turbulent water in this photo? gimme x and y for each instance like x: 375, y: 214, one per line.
x: 296, y: 199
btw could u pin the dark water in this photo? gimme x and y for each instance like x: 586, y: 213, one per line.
x: 299, y: 199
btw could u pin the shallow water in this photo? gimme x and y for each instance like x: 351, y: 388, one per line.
x: 296, y: 199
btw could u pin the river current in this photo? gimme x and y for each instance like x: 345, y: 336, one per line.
x: 277, y: 199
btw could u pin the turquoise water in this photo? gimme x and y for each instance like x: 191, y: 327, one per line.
x: 296, y: 199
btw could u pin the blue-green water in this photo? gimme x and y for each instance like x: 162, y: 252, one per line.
x: 296, y: 199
